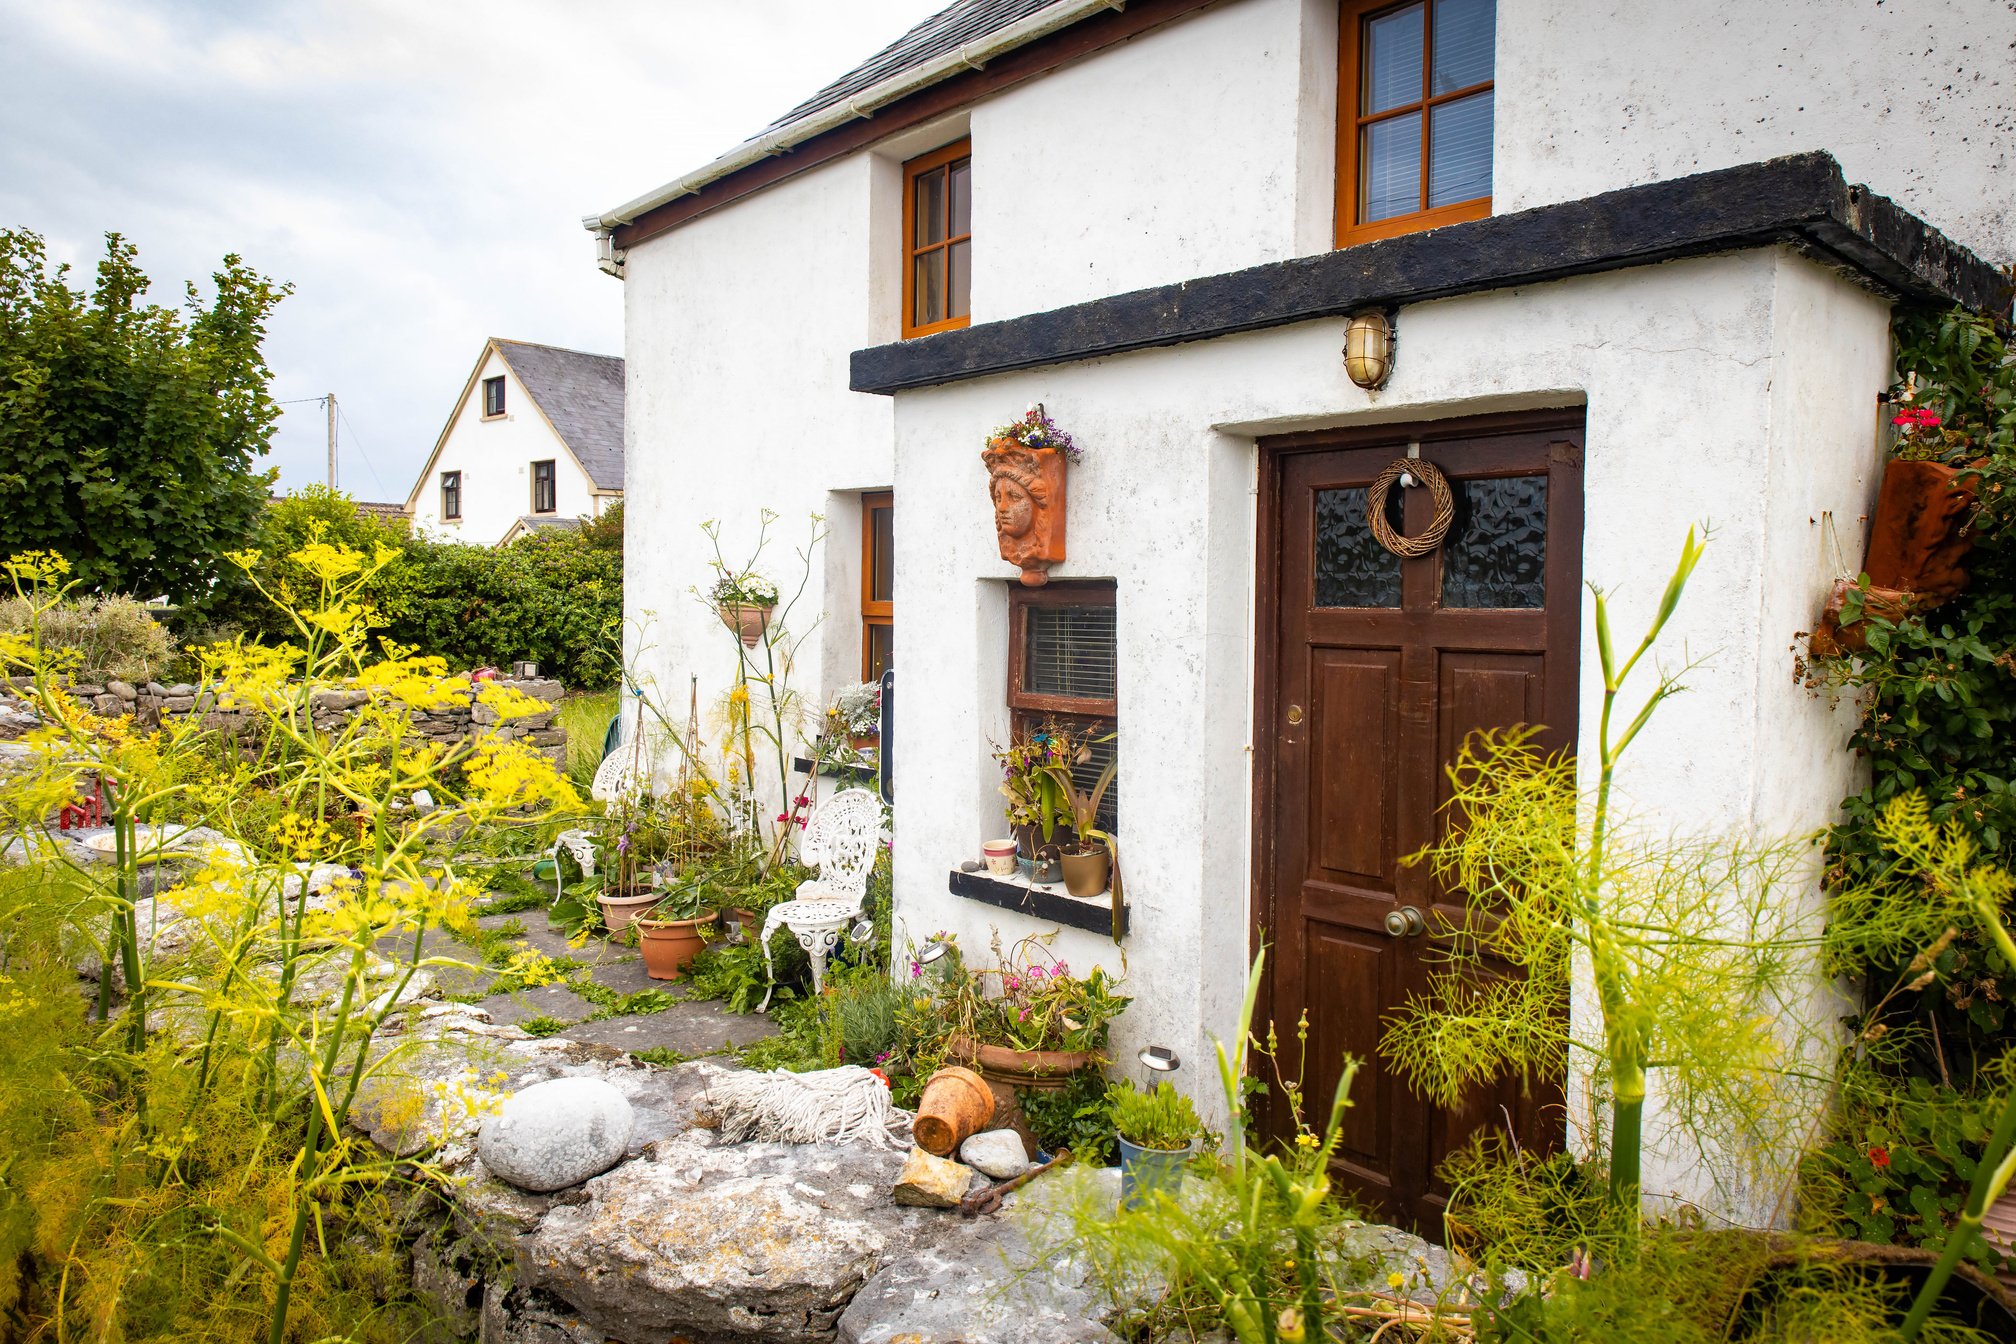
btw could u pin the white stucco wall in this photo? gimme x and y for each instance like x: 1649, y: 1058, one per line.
x: 738, y: 328
x: 1705, y: 382
x: 495, y: 457
x: 1916, y: 99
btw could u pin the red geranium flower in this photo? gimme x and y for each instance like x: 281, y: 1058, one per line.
x: 1917, y: 417
x: 1879, y: 1156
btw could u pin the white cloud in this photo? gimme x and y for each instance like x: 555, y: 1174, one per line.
x: 417, y: 170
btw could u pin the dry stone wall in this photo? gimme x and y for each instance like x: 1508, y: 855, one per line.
x: 152, y: 703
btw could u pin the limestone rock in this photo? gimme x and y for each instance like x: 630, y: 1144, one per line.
x: 557, y: 1134
x: 725, y: 1241
x: 1429, y: 1273
x: 929, y: 1182
x: 123, y: 689
x: 999, y: 1153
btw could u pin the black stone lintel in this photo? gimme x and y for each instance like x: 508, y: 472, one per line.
x: 1802, y: 200
x: 854, y: 774
x: 1094, y: 917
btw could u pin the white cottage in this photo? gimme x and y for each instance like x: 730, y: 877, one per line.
x: 535, y: 440
x: 1640, y: 261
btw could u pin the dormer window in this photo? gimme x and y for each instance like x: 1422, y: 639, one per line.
x: 938, y: 240
x: 493, y: 396
x: 1414, y: 115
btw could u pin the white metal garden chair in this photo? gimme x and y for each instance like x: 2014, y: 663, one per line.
x: 841, y: 840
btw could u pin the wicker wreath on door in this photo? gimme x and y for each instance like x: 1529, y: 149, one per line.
x: 1408, y: 548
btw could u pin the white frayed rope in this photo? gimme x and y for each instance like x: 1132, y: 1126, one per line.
x: 844, y: 1105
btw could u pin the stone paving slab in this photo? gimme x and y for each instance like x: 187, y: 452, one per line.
x: 628, y: 977
x: 543, y: 937
x: 696, y: 1028
x: 545, y: 1001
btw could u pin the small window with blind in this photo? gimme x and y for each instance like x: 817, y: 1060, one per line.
x: 1414, y: 115
x: 1063, y: 668
x: 878, y: 584
x: 938, y: 240
x: 493, y: 397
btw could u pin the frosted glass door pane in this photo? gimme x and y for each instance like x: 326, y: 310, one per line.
x: 1393, y: 60
x: 1465, y: 37
x: 1459, y: 150
x: 1352, y: 568
x: 1392, y: 151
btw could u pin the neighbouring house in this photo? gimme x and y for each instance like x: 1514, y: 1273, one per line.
x: 394, y: 514
x: 535, y: 440
x: 1640, y: 262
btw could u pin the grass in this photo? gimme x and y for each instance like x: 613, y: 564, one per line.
x: 585, y: 716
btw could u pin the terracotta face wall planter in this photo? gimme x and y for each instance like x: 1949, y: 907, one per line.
x: 1920, y: 535
x: 1027, y: 488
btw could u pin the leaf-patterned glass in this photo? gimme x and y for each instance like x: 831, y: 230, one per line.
x: 1496, y: 552
x: 1352, y: 568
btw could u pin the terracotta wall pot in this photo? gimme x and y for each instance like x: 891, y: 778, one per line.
x: 1831, y: 638
x: 956, y: 1105
x: 1087, y: 874
x: 1919, y: 536
x: 618, y: 911
x: 746, y: 620
x: 668, y: 944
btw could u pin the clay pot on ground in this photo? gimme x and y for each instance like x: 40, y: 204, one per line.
x: 668, y: 944
x: 1919, y: 536
x: 1087, y: 874
x: 619, y: 911
x: 956, y: 1105
x: 1045, y: 1070
x: 746, y: 620
x: 749, y: 921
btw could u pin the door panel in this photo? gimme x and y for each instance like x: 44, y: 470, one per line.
x: 1376, y: 671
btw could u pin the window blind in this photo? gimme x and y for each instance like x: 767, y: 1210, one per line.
x: 1070, y: 651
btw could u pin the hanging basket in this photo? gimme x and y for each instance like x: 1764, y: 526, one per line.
x: 1428, y: 474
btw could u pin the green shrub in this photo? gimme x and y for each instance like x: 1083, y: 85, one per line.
x: 100, y: 637
x: 1162, y: 1118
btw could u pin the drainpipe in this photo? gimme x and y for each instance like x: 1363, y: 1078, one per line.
x: 972, y: 56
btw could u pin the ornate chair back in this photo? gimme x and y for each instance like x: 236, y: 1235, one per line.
x: 840, y: 839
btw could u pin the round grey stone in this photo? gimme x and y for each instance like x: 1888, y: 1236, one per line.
x: 998, y: 1153
x: 556, y: 1134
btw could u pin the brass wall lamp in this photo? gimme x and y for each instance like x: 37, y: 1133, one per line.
x: 1368, y: 349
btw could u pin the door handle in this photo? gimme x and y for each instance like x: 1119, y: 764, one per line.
x: 1406, y: 922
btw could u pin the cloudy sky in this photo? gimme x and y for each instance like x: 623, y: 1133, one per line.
x: 417, y: 168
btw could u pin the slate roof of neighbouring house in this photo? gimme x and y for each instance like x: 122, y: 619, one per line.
x: 582, y: 395
x: 947, y: 30
x: 391, y: 513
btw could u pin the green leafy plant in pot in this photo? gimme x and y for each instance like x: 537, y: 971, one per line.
x: 1088, y: 858
x: 676, y: 930
x: 1156, y: 1130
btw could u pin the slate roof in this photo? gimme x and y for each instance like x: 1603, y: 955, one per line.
x: 582, y: 394
x: 947, y: 30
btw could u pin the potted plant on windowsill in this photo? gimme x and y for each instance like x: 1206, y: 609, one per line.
x: 675, y: 930
x: 856, y: 714
x: 1156, y: 1131
x: 1036, y: 809
x: 744, y: 602
x: 1088, y: 858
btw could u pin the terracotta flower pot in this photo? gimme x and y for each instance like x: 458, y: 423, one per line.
x: 1044, y: 1070
x: 668, y: 944
x: 1919, y: 538
x: 1087, y: 874
x: 863, y: 741
x: 745, y: 619
x: 619, y: 911
x: 956, y: 1105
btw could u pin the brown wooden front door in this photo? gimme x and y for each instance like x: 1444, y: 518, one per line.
x: 1375, y: 671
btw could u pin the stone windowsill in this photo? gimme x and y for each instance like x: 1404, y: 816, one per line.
x: 1040, y: 900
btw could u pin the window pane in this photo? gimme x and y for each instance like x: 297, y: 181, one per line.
x: 1392, y: 168
x: 930, y: 221
x: 1459, y: 150
x: 959, y: 301
x: 1465, y: 37
x: 962, y: 199
x: 881, y: 650
x: 928, y: 294
x: 882, y: 579
x: 1352, y: 568
x: 1393, y: 60
x: 1496, y: 552
x: 1069, y: 651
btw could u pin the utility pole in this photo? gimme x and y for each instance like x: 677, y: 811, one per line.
x: 330, y: 401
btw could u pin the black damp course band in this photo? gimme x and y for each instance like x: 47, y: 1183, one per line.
x: 1801, y: 201
x: 1093, y: 916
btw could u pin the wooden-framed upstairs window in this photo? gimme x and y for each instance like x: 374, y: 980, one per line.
x: 1414, y: 115
x: 493, y: 397
x: 544, y: 487
x: 878, y: 583
x: 451, y: 496
x: 938, y: 240
x: 1063, y: 666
